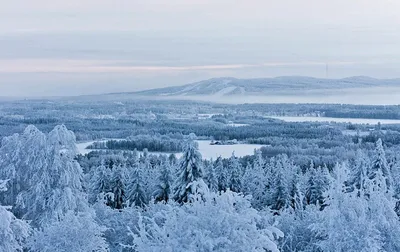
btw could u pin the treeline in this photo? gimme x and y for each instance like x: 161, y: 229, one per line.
x: 107, y: 119
x: 328, y: 110
x: 153, y: 143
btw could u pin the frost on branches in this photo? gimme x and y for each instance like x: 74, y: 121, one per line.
x: 223, y: 222
x: 13, y: 232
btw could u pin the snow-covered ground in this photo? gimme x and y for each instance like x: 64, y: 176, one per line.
x: 331, y: 119
x: 213, y: 151
x: 207, y: 151
x: 237, y: 124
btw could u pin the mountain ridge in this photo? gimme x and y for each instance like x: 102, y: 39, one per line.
x: 229, y: 86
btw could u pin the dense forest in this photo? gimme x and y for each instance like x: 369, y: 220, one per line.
x: 311, y: 187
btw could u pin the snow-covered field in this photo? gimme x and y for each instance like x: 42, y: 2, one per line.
x: 207, y: 151
x: 331, y: 119
x: 237, y: 124
x: 213, y: 151
x: 81, y: 146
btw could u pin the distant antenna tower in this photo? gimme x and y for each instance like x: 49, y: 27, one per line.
x: 327, y: 70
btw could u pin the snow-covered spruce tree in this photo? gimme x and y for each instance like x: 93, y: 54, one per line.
x: 221, y: 174
x: 189, y: 181
x: 259, y: 160
x: 163, y: 189
x: 118, y: 187
x: 358, y: 173
x: 149, y: 175
x: 279, y: 194
x: 295, y: 194
x: 379, y: 171
x: 395, y: 170
x: 255, y: 182
x: 55, y: 188
x: 13, y: 232
x: 317, y: 184
x: 212, y: 181
x: 136, y: 195
x: 100, y: 183
x: 235, y: 169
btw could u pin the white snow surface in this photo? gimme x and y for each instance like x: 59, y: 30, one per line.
x: 207, y: 151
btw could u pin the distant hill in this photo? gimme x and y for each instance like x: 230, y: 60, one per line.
x: 228, y: 86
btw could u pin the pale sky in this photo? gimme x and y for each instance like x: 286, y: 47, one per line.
x: 54, y: 47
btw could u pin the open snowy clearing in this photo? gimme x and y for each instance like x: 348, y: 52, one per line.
x: 207, y: 151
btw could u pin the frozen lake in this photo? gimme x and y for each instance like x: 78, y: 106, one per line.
x: 207, y: 151
x: 331, y: 119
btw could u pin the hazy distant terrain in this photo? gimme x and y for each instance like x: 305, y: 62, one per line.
x: 265, y: 86
x: 295, y: 89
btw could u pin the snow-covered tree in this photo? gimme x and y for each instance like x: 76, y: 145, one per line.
x: 136, y: 195
x: 379, y: 172
x: 317, y: 184
x: 189, y: 179
x: 163, y: 189
x: 279, y: 194
x: 223, y: 222
x: 149, y: 175
x: 55, y: 187
x: 395, y: 170
x: 21, y: 158
x: 353, y: 223
x: 235, y: 169
x: 72, y: 233
x: 297, y: 227
x: 13, y: 232
x: 295, y: 194
x: 118, y: 188
x: 221, y: 174
x: 255, y: 182
x: 358, y: 174
x: 212, y: 180
x: 100, y: 182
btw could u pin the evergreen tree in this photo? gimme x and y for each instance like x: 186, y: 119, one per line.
x: 379, y: 172
x: 118, y: 187
x: 255, y: 182
x: 100, y: 182
x: 149, y: 175
x: 395, y: 170
x: 136, y: 194
x: 163, y: 189
x: 295, y: 194
x: 236, y: 169
x: 222, y: 175
x: 358, y: 174
x: 212, y: 181
x: 279, y: 195
x: 189, y: 181
x: 316, y: 186
x: 172, y: 159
